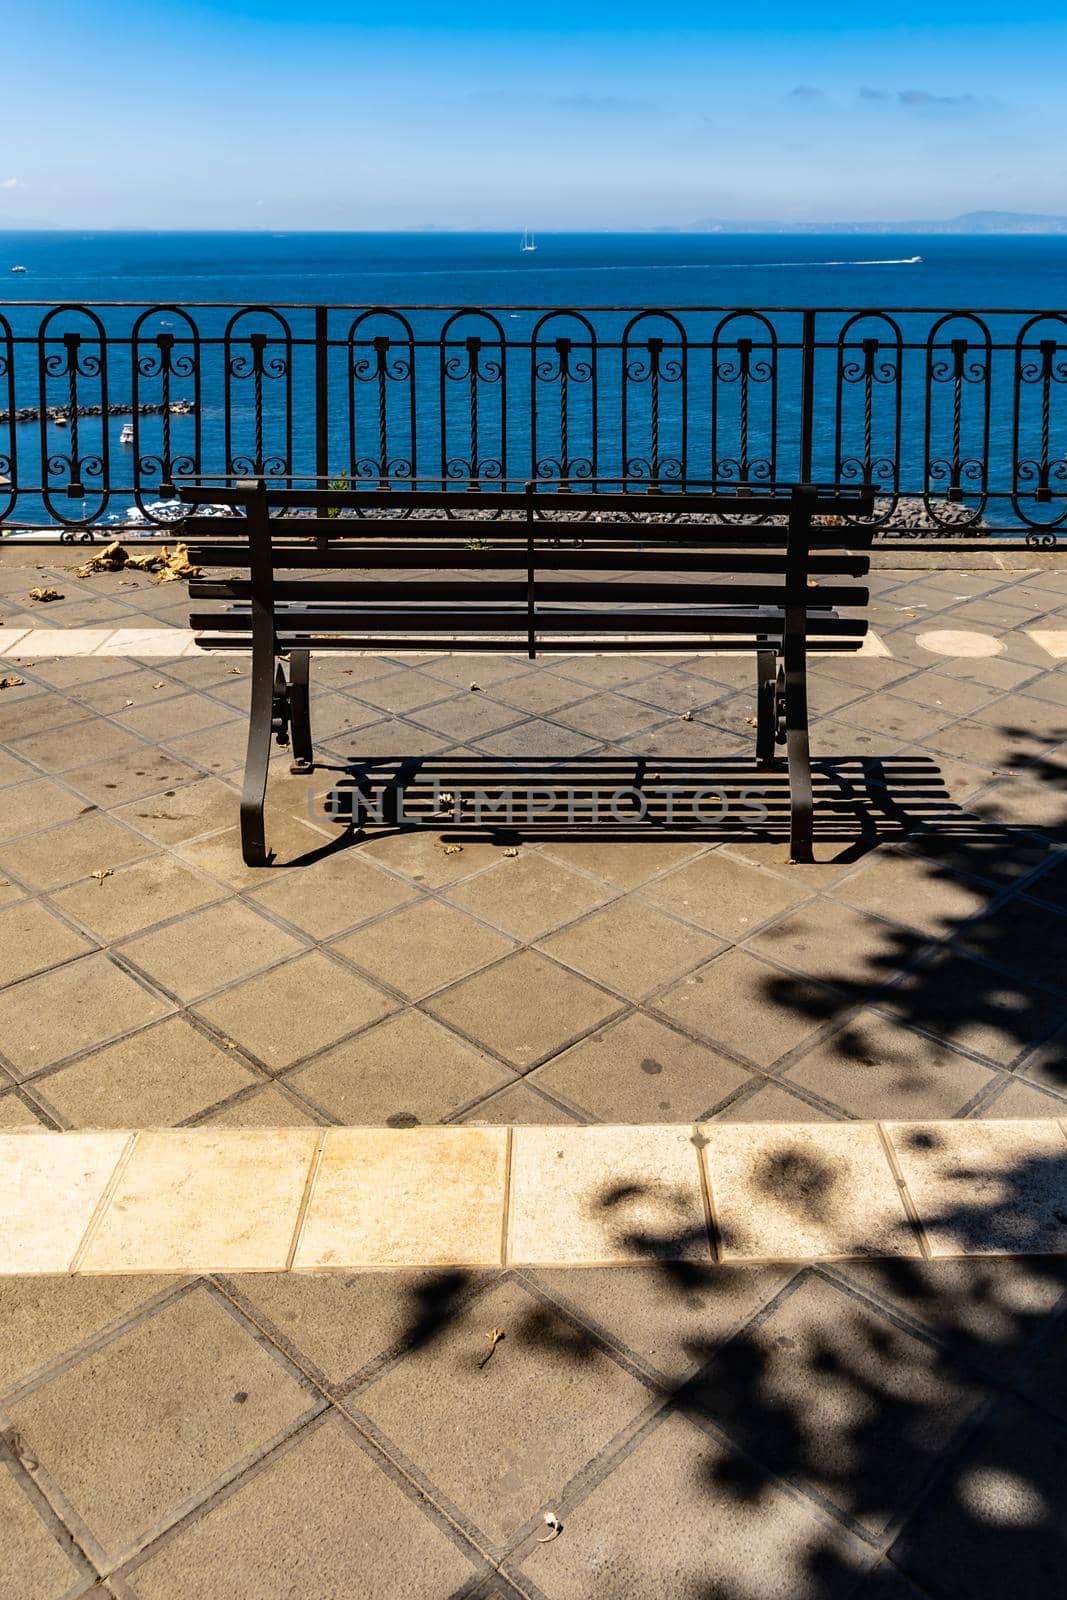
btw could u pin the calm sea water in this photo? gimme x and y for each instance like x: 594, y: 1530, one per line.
x: 906, y: 273
x: 567, y: 269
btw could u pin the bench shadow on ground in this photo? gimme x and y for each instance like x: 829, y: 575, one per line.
x: 919, y: 1401
x: 859, y: 801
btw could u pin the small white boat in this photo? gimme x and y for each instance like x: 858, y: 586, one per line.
x: 20, y: 269
x: 60, y: 420
x: 126, y: 436
x: 528, y: 245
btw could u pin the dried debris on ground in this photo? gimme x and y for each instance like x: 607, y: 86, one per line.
x: 167, y: 564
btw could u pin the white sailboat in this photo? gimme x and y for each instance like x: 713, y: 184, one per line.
x: 527, y: 244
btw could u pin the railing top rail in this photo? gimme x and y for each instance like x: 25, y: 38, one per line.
x: 546, y: 305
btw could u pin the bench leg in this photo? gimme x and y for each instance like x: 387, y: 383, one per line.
x: 796, y: 741
x: 300, y: 711
x: 257, y: 761
x: 766, y: 683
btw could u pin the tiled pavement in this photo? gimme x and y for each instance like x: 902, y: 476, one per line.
x: 737, y: 1432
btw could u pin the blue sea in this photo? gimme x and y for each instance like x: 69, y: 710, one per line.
x: 594, y: 269
x: 904, y: 428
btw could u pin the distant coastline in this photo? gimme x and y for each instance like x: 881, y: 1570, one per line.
x: 969, y: 224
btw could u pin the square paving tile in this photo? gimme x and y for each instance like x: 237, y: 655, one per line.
x: 986, y: 1187
x: 995, y: 1520
x: 975, y: 1007
x: 630, y: 947
x: 547, y: 1401
x: 137, y: 896
x: 877, y: 1068
x: 295, y: 844
x: 189, y: 1200
x: 210, y: 948
x: 525, y: 1008
x: 906, y: 888
x: 289, y: 1531
x: 671, y: 1323
x: 528, y: 896
x: 28, y: 711
x: 773, y: 1103
x: 624, y: 1536
x: 1024, y: 936
x: 325, y: 897
x: 537, y: 739
x: 72, y: 1008
x: 90, y: 739
x: 400, y: 691
x: 15, y: 1113
x: 51, y: 1187
x: 421, y: 1197
x: 203, y: 806
x: 895, y: 718
x: 56, y: 856
x: 423, y: 947
x: 405, y: 1070
x: 336, y: 1323
x: 538, y: 693
x: 989, y: 1310
x: 518, y: 1103
x: 420, y: 855
x: 724, y: 895
x: 638, y: 1070
x: 37, y: 804
x: 273, y: 1106
x: 610, y: 716
x: 467, y: 717
x: 153, y: 1079
x: 623, y: 863
x: 296, y: 1009
x: 839, y: 946
x: 33, y: 1564
x: 164, y: 720
x: 605, y: 1194
x: 131, y: 776
x: 748, y: 1006
x: 32, y: 940
x: 832, y: 1393
x: 804, y: 1192
x: 140, y: 1429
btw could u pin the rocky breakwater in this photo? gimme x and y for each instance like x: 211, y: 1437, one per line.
x: 124, y: 408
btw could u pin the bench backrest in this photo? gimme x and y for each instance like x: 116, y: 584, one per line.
x: 344, y: 565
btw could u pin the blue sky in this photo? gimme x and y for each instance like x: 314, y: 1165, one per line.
x: 276, y: 114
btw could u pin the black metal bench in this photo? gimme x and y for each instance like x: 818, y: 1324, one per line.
x: 768, y: 578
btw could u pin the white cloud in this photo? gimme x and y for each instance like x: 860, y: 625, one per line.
x: 9, y: 183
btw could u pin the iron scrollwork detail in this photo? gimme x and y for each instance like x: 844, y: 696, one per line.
x: 267, y: 360
x: 960, y: 365
x: 381, y: 364
x: 744, y: 365
x: 655, y: 366
x: 473, y: 370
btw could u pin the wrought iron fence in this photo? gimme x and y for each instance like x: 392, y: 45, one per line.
x: 958, y: 419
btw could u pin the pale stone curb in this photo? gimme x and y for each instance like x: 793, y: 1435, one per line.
x: 47, y: 643
x: 363, y: 1199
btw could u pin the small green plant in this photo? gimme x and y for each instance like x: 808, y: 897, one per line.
x: 336, y: 483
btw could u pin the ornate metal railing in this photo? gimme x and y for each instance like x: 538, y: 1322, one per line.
x: 958, y: 419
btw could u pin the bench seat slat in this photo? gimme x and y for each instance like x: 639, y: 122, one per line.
x: 459, y: 531
x: 514, y: 644
x: 561, y: 558
x: 547, y: 590
x: 472, y: 619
